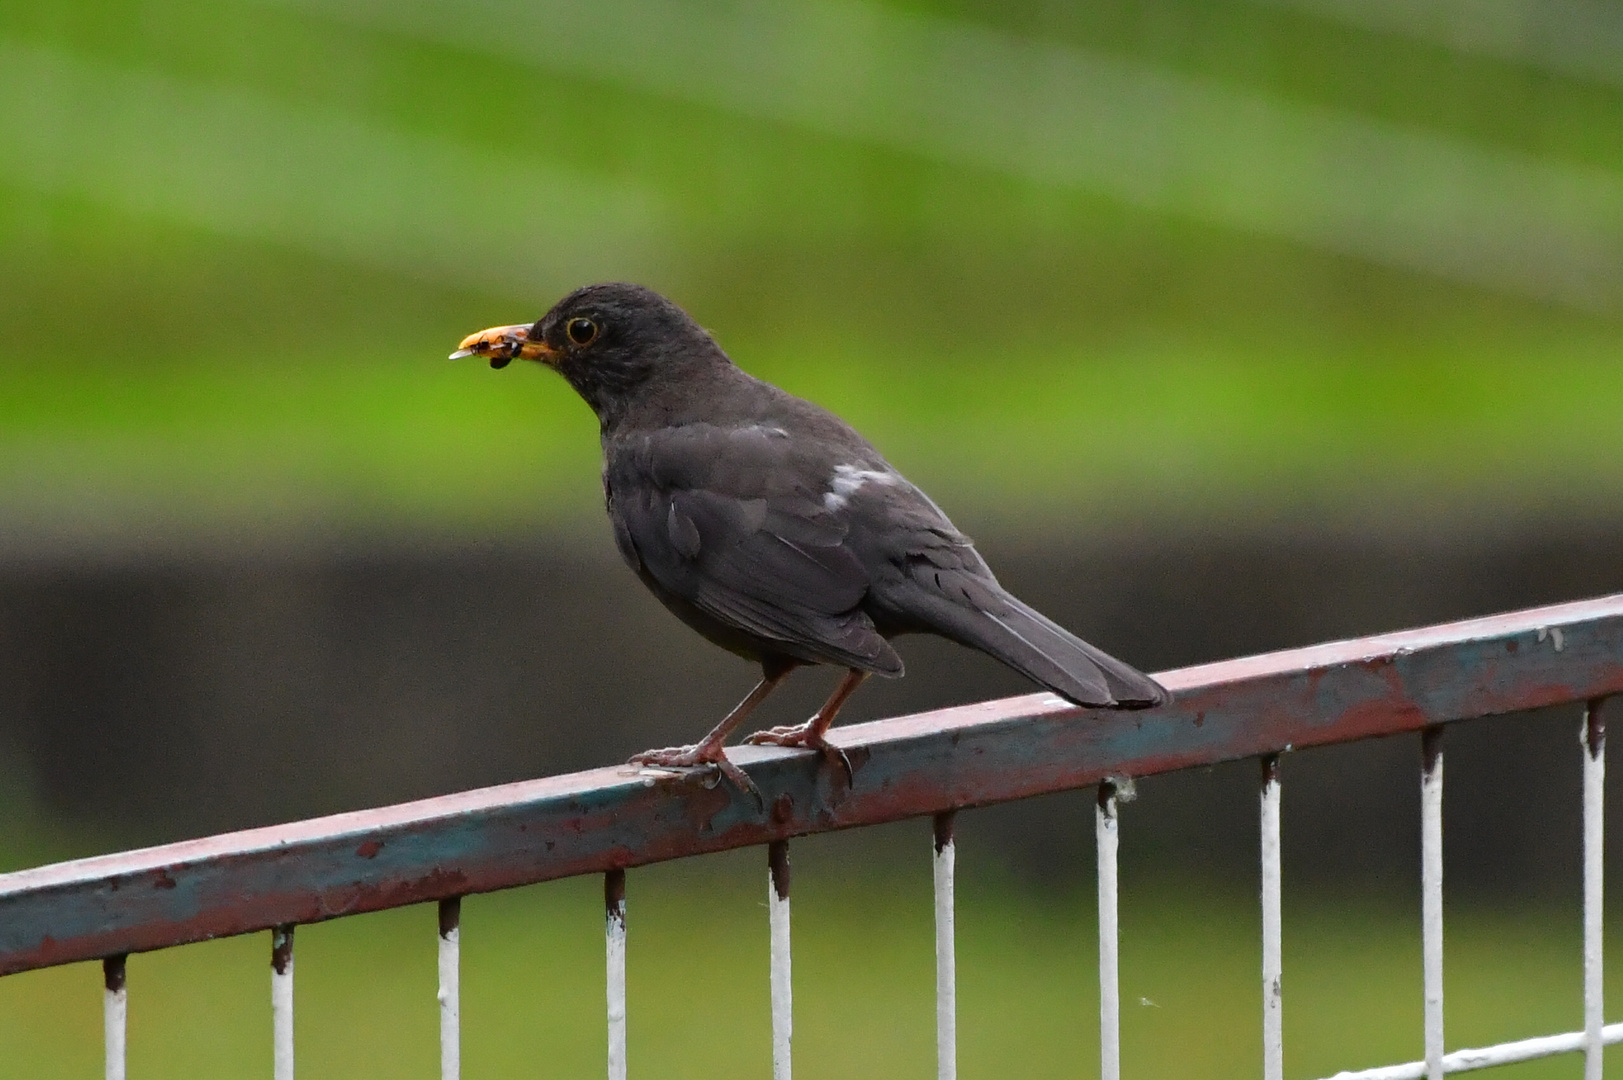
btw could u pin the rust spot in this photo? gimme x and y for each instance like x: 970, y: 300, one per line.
x: 450, y: 915
x: 1431, y: 747
x: 281, y: 948
x: 614, y: 895
x: 1200, y: 718
x: 1382, y: 716
x: 783, y: 809
x: 1595, y: 728
x: 163, y: 880
x: 701, y: 803
x: 370, y: 849
x: 1512, y: 645
x: 440, y: 882
x: 777, y: 861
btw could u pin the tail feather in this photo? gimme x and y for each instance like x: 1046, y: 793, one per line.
x: 1047, y: 653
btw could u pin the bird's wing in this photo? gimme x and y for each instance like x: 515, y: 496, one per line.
x: 935, y: 576
x: 734, y: 520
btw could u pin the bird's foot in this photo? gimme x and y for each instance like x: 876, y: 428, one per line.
x: 700, y: 755
x: 806, y: 735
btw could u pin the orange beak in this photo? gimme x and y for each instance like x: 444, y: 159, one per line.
x: 501, y: 344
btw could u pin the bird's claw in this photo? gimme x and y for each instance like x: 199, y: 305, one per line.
x: 807, y: 736
x: 712, y: 759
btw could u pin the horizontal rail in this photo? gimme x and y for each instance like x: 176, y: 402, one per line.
x: 1488, y: 1057
x: 612, y: 818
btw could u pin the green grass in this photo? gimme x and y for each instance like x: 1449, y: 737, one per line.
x: 533, y: 983
x: 235, y: 241
x: 1116, y: 435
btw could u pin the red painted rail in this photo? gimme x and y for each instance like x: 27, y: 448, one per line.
x: 910, y: 766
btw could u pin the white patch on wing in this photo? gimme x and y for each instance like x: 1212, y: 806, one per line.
x: 848, y: 480
x: 768, y: 429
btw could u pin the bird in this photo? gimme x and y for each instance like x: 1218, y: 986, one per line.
x: 770, y: 526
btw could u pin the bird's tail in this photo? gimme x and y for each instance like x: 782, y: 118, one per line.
x: 1046, y: 652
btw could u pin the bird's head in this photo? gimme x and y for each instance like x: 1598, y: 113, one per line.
x: 610, y: 341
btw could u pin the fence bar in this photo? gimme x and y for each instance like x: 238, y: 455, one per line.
x: 946, y: 959
x: 1273, y: 1030
x: 114, y: 1015
x: 450, y: 988
x: 907, y: 766
x: 614, y: 921
x: 282, y: 1002
x: 777, y: 904
x: 1431, y: 894
x: 1594, y: 878
x: 1488, y: 1057
x: 1107, y: 838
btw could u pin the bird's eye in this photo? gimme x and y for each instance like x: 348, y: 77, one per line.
x: 581, y: 331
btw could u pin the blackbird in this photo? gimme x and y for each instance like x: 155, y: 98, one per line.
x: 767, y: 524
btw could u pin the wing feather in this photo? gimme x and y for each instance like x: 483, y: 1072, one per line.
x: 720, y: 522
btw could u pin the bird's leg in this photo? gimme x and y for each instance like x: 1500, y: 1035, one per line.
x: 708, y: 750
x: 811, y: 733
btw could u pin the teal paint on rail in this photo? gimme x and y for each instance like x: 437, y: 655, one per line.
x: 910, y: 766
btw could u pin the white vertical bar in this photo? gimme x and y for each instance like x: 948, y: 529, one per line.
x: 114, y: 1015
x: 783, y: 1012
x: 614, y: 903
x: 1273, y: 1030
x: 282, y: 1002
x: 946, y: 963
x: 450, y: 938
x: 1431, y: 895
x: 1106, y: 834
x: 1594, y: 739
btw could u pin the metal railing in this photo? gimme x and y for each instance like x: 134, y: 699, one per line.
x: 929, y: 765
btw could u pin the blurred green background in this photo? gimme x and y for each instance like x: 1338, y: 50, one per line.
x: 1127, y: 268
x: 1130, y: 259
